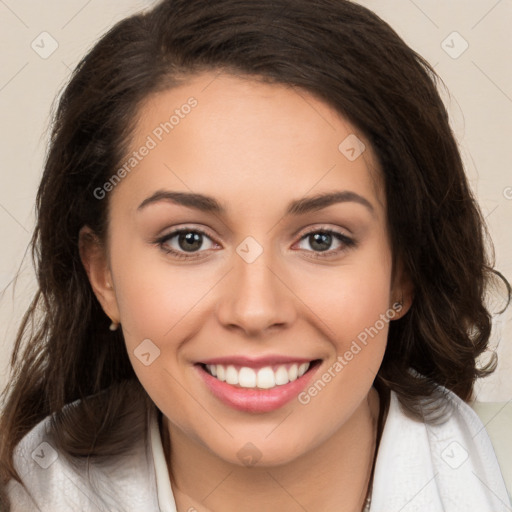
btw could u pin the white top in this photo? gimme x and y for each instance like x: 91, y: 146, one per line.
x: 450, y: 467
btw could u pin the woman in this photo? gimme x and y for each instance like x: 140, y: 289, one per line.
x: 262, y: 276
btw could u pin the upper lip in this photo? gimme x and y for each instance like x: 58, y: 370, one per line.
x: 256, y: 362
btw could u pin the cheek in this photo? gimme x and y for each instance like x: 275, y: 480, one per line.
x: 351, y: 298
x: 153, y: 296
x: 355, y: 310
x: 356, y: 315
x: 161, y: 307
x: 360, y: 307
x: 158, y: 305
x: 358, y: 322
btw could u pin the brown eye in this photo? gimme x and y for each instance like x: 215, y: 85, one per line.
x: 183, y: 241
x: 190, y: 241
x: 321, y: 241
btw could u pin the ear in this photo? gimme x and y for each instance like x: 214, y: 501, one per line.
x: 95, y: 261
x: 402, y: 292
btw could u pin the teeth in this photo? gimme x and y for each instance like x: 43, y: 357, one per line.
x: 264, y: 378
x: 303, y: 368
x: 220, y: 371
x: 231, y: 375
x: 293, y: 372
x: 247, y: 377
x: 282, y: 376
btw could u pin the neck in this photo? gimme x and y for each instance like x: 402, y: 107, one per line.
x: 335, y: 475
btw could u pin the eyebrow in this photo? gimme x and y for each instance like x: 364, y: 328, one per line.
x: 297, y: 207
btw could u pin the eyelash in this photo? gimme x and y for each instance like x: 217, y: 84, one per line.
x: 348, y: 242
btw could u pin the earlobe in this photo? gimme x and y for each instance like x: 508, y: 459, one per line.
x: 402, y: 294
x: 94, y: 259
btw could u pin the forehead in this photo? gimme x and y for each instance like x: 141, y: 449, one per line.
x: 245, y: 141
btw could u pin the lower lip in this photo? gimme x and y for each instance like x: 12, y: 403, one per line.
x: 255, y: 399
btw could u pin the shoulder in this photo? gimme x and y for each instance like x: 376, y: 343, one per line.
x: 448, y: 464
x: 53, y: 480
x: 43, y: 470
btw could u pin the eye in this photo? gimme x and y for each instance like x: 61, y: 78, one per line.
x: 183, y: 243
x: 320, y: 240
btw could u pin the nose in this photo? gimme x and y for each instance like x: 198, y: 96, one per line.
x: 256, y: 297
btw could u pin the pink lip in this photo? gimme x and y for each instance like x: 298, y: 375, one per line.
x: 253, y: 399
x: 256, y: 362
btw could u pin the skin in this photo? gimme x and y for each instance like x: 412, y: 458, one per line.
x: 254, y: 147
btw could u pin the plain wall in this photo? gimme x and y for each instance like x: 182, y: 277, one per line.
x: 479, y: 80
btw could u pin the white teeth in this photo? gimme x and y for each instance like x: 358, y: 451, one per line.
x: 221, y: 372
x: 293, y: 372
x: 264, y: 378
x: 303, y: 368
x: 282, y: 376
x: 231, y: 375
x: 247, y: 377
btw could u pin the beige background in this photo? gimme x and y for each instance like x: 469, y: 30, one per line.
x: 480, y: 101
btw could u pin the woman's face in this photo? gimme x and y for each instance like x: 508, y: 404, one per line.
x: 264, y: 282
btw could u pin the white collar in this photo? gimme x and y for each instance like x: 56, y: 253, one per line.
x: 166, y: 501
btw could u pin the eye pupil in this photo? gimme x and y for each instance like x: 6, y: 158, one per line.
x: 318, y: 239
x: 193, y: 241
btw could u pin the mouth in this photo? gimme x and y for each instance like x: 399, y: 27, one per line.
x: 266, y: 377
x: 257, y: 387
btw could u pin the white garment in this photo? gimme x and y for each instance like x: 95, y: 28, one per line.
x: 450, y: 467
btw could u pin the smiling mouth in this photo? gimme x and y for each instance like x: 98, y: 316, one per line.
x: 267, y: 377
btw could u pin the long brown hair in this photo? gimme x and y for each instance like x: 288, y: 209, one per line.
x: 346, y: 56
